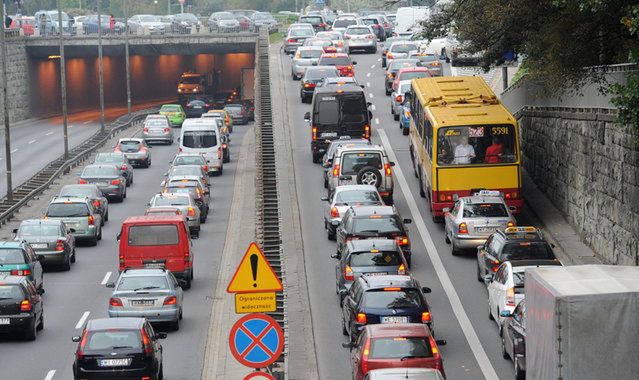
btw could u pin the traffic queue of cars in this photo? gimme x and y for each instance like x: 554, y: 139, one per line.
x: 155, y: 254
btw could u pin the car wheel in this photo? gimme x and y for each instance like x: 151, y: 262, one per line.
x: 396, y: 117
x: 387, y: 92
x: 187, y: 285
x: 389, y: 200
x: 383, y: 63
x: 453, y: 249
x: 93, y: 241
x: 330, y: 233
x: 447, y: 239
x: 422, y: 193
x: 161, y: 374
x: 41, y: 324
x: 73, y: 256
x: 175, y: 325
x: 325, y: 183
x: 520, y: 374
x: 30, y: 333
x: 479, y: 277
x: 405, y: 131
x: 100, y: 234
x: 67, y: 264
x: 504, y: 353
x: 490, y: 314
x: 106, y: 216
x: 316, y: 158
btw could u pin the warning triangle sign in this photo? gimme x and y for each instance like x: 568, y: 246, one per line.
x: 254, y: 274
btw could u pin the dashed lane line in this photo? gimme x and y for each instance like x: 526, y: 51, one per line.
x: 15, y: 150
x: 106, y: 278
x: 83, y: 319
x: 31, y: 142
x: 48, y: 133
x: 50, y: 375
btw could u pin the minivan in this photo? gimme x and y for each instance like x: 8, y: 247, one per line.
x: 202, y: 136
x: 157, y: 241
x: 337, y: 112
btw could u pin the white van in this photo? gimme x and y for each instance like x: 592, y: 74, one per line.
x: 408, y: 18
x: 202, y: 136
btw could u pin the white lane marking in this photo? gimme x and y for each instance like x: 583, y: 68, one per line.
x: 106, y: 278
x: 50, y: 133
x: 371, y: 95
x: 368, y: 84
x: 373, y: 107
x: 15, y: 150
x: 458, y: 310
x: 377, y: 121
x: 83, y: 319
x: 31, y: 142
x: 372, y: 66
x: 368, y: 75
x: 71, y: 126
x: 49, y: 375
x: 378, y: 59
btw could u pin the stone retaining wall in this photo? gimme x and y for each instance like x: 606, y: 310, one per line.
x: 589, y: 168
x: 18, y: 82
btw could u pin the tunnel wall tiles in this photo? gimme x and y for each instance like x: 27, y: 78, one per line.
x: 590, y: 171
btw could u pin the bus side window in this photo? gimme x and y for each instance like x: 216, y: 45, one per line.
x: 428, y: 137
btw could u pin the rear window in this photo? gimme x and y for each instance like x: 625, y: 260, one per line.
x: 320, y: 74
x: 357, y: 31
x: 354, y: 109
x: 301, y: 32
x: 180, y: 190
x: 97, y: 171
x: 11, y: 256
x: 352, y: 163
x: 161, y: 234
x: 343, y: 23
x: 413, y: 75
x: 355, y: 197
x: 143, y: 283
x: 77, y: 192
x: 130, y: 146
x: 189, y: 160
x: 379, y: 259
x: 113, y: 338
x: 8, y: 292
x: 67, y: 210
x: 370, y: 21
x: 376, y: 225
x: 39, y: 230
x: 527, y: 251
x: 312, y: 20
x: 393, y: 299
x: 109, y: 158
x: 199, y: 139
x: 396, y: 66
x: 328, y: 112
x: 485, y: 210
x: 335, y: 61
x: 397, y: 348
x: 186, y: 170
x: 311, y: 53
x: 403, y: 48
x: 171, y: 201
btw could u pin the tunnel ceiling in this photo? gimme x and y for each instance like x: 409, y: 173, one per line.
x: 77, y: 51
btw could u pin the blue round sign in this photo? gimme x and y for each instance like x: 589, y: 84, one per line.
x: 256, y: 340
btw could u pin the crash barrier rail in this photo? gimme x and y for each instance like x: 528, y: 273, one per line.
x: 35, y: 185
x: 268, y: 222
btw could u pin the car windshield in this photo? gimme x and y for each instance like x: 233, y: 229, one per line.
x: 39, y: 230
x: 343, y: 23
x: 78, y: 191
x: 99, y: 171
x: 310, y: 53
x: 358, y: 31
x: 300, y: 32
x: 143, y: 283
x: 400, y: 347
x: 485, y: 210
x: 402, y: 48
x: 369, y: 21
x: 11, y: 256
x: 527, y: 251
x: 189, y: 160
x: 352, y: 163
x: 67, y: 210
x: 130, y: 146
x: 199, y: 139
x: 156, y: 234
x: 112, y: 338
x: 377, y: 225
x: 376, y: 259
x: 356, y: 197
x: 413, y: 75
x: 109, y: 158
x: 315, y: 74
x: 170, y: 201
x: 170, y: 109
x: 191, y: 80
x: 224, y: 16
x: 335, y: 61
x: 476, y: 145
x: 393, y: 298
x: 8, y: 292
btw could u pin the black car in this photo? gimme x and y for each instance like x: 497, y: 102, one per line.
x: 373, y: 222
x: 384, y: 299
x: 513, y: 339
x: 312, y: 77
x: 20, y: 306
x: 513, y: 243
x: 118, y: 348
x: 51, y: 239
x: 238, y: 112
x: 197, y: 107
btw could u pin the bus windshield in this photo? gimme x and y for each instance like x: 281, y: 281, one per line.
x: 476, y: 145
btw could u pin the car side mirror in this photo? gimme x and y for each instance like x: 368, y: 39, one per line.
x: 15, y: 230
x: 441, y: 342
x: 72, y: 230
x: 183, y: 283
x: 552, y: 245
x: 161, y: 335
x: 178, y: 139
x: 354, y: 63
x: 348, y: 345
x: 78, y: 174
x: 362, y: 86
x: 76, y: 339
x: 117, y: 236
x: 488, y: 278
x: 368, y: 104
x: 407, y: 221
x: 307, y: 116
x: 40, y: 258
x: 325, y: 199
x: 335, y: 256
x: 480, y: 247
x: 391, y: 163
x: 505, y: 314
x: 110, y: 285
x: 426, y: 289
x: 314, y: 63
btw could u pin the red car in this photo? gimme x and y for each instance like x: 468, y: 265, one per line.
x: 341, y: 61
x: 406, y: 345
x: 409, y: 73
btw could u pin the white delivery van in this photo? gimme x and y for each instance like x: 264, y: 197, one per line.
x: 408, y: 18
x: 202, y: 136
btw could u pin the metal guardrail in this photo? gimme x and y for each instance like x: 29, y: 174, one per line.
x: 268, y: 227
x: 54, y: 169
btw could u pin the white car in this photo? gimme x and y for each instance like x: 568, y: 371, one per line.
x: 397, y: 98
x: 506, y: 289
x: 345, y: 197
x: 400, y: 49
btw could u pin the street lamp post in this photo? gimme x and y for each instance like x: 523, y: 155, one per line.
x: 126, y: 57
x: 100, y: 69
x: 63, y: 84
x: 7, y: 131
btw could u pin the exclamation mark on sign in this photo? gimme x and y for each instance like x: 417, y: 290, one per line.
x: 253, y: 259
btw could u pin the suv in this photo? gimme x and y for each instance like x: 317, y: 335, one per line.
x: 79, y: 214
x: 363, y: 165
x: 17, y: 258
x: 384, y: 299
x: 373, y: 221
x: 20, y: 306
x: 343, y: 141
x: 118, y: 347
x: 337, y: 112
x: 513, y: 243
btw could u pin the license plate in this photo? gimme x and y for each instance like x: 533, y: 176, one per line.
x: 154, y: 265
x: 485, y: 229
x: 38, y: 245
x: 198, y: 107
x: 155, y: 131
x: 142, y: 302
x: 114, y: 362
x: 394, y: 319
x: 5, y: 321
x: 328, y: 134
x: 375, y: 273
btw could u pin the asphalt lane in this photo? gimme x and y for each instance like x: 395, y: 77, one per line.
x: 462, y: 360
x: 70, y: 295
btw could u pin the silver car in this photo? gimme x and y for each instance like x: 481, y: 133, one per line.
x: 397, y: 98
x: 188, y: 170
x: 338, y: 39
x: 304, y: 57
x: 119, y: 160
x: 185, y: 203
x: 296, y: 35
x: 154, y: 294
x: 223, y: 22
x: 342, y: 142
x: 473, y: 219
x: 157, y: 128
x: 430, y: 61
x: 107, y: 178
x: 78, y: 214
x: 50, y: 238
x: 136, y: 150
x: 140, y: 24
x: 345, y: 197
x: 361, y: 37
x: 399, y: 50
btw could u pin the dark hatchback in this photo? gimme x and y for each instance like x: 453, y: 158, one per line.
x: 385, y: 300
x: 49, y: 238
x: 118, y: 348
x: 197, y: 107
x: 20, y: 306
x: 238, y: 112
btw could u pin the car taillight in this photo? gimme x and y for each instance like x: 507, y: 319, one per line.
x: 510, y: 297
x: 148, y: 349
x: 399, y: 98
x: 82, y: 182
x: 361, y: 318
x: 179, y: 149
x: 334, y: 212
x: 124, y: 167
x: 387, y: 169
x: 191, y: 211
x: 21, y: 272
x: 115, y: 302
x: 370, y: 37
x: 367, y: 132
x: 347, y: 37
x: 349, y: 68
x: 79, y: 354
x: 335, y: 170
x: 435, y: 350
x: 59, y: 246
x: 389, y: 56
x: 91, y: 220
x: 402, y: 240
x: 25, y: 305
x: 170, y: 300
x: 463, y: 228
x: 219, y: 153
x: 309, y: 85
x: 425, y: 317
x: 322, y: 25
x: 205, y: 168
x: 445, y: 197
x: 314, y: 133
x: 510, y: 224
x: 340, y: 43
x: 121, y: 260
x: 187, y: 257
x: 290, y: 40
x: 348, y: 274
x: 401, y: 269
x: 117, y: 149
x: 495, y: 265
x: 510, y: 195
x: 145, y: 130
x: 365, y: 352
x: 115, y: 182
x: 189, y: 105
x: 166, y: 130
x: 224, y: 146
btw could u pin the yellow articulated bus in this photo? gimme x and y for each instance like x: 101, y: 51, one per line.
x: 462, y: 140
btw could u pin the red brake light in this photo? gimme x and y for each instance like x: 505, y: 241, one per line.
x: 365, y: 352
x: 398, y: 98
x: 388, y: 170
x: 335, y: 170
x: 187, y: 257
x: 115, y: 182
x: 59, y: 246
x: 170, y: 300
x: 334, y: 212
x: 25, y: 305
x: 361, y: 318
x: 145, y: 130
x: 219, y: 153
x: 166, y: 130
x: 115, y: 302
x: 495, y: 265
x: 425, y: 317
x: 79, y: 354
x: 191, y: 211
x: 510, y: 224
x: 367, y: 132
x: 82, y: 182
x: 91, y: 220
x: 206, y: 168
x: 148, y: 350
x: 124, y: 167
x: 402, y: 240
x: 290, y: 40
x: 463, y: 228
x: 349, y: 276
x: 96, y: 203
x: 21, y: 272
